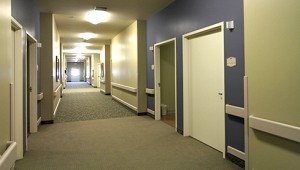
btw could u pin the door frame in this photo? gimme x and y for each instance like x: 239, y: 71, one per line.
x: 17, y: 105
x: 186, y: 76
x: 32, y: 64
x: 157, y: 78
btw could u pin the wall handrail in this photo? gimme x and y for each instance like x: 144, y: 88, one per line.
x: 127, y: 88
x: 275, y: 128
x: 235, y: 111
x: 150, y: 91
x: 9, y: 157
x: 56, y: 90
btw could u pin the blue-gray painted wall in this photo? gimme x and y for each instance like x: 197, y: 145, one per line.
x: 28, y: 15
x: 183, y: 16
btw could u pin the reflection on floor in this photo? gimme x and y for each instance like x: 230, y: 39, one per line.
x: 169, y: 118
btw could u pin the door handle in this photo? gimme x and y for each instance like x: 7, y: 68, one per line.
x: 220, y: 94
x: 30, y: 89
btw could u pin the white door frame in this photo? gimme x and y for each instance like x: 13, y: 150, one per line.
x: 17, y: 115
x: 186, y: 76
x: 33, y: 80
x: 157, y: 78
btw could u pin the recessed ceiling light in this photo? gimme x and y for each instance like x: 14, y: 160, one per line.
x: 96, y: 16
x: 88, y: 35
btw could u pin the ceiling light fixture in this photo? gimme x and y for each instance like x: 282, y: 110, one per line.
x: 98, y: 15
x: 88, y: 35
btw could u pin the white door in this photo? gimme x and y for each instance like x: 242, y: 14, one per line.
x: 207, y: 89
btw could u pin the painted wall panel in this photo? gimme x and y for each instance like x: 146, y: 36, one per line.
x: 272, y: 66
x: 5, y: 72
x: 184, y: 16
x: 124, y: 63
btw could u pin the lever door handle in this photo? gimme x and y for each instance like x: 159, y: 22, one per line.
x: 220, y: 94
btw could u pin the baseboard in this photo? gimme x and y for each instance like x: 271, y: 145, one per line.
x: 151, y: 115
x: 142, y: 114
x: 103, y: 92
x: 47, y: 122
x: 236, y: 160
x: 124, y: 103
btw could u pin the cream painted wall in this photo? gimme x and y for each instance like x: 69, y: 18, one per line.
x: 272, y: 64
x: 5, y: 72
x: 124, y: 63
x: 95, y: 62
x: 51, y: 48
x: 167, y: 79
x: 128, y: 65
x: 105, y: 58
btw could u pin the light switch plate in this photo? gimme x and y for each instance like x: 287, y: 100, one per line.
x: 231, y: 61
x: 152, y: 67
x: 151, y: 48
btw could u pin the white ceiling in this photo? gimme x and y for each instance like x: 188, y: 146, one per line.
x: 69, y: 16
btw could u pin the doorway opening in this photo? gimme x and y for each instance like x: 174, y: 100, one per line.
x: 203, y: 82
x: 165, y: 82
x: 31, y: 85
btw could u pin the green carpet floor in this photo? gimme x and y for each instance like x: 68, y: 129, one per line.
x: 130, y: 143
x: 87, y: 103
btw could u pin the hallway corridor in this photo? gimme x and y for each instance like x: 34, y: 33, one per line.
x: 130, y: 142
x: 81, y: 102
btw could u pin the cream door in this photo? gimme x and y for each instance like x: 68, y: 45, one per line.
x: 207, y: 89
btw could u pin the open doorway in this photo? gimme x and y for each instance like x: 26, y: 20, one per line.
x: 31, y: 84
x: 165, y: 82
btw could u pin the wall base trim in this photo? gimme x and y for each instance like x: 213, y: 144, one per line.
x: 142, y: 114
x: 124, y: 103
x: 47, y: 122
x: 151, y: 115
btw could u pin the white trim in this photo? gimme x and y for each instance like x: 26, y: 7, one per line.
x: 235, y: 111
x: 275, y: 128
x: 157, y: 77
x: 125, y: 103
x: 130, y: 89
x: 39, y: 121
x: 102, y: 81
x: 55, y: 110
x: 246, y: 123
x: 150, y: 91
x: 12, y: 112
x: 18, y: 87
x: 186, y: 76
x: 236, y: 152
x: 32, y: 64
x: 151, y: 111
x: 102, y: 90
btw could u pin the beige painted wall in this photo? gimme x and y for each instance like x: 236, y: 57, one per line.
x: 5, y: 72
x: 128, y: 64
x: 95, y: 62
x: 51, y: 48
x: 272, y: 64
x: 167, y: 78
x: 105, y: 57
x: 124, y: 63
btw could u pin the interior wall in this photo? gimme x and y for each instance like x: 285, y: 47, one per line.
x: 105, y: 81
x: 124, y: 63
x: 55, y: 53
x: 75, y: 65
x: 95, y: 62
x: 5, y: 72
x: 185, y: 16
x: 272, y: 66
x: 28, y: 15
x: 167, y: 75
